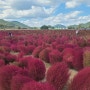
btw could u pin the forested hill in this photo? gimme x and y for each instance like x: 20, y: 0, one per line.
x: 12, y: 25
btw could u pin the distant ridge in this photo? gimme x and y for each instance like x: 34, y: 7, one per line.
x: 80, y: 26
x: 59, y: 26
x: 12, y: 25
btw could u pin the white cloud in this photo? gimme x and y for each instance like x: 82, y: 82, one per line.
x: 40, y: 12
x: 27, y: 4
x: 75, y: 3
x: 52, y: 20
x: 34, y: 12
x: 27, y: 8
x: 72, y: 15
x: 72, y: 4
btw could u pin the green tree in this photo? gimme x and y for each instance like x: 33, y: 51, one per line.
x: 44, y: 27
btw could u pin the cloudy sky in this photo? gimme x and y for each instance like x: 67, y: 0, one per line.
x: 48, y: 12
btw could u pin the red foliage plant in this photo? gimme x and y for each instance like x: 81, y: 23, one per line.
x: 82, y: 80
x: 36, y: 51
x: 23, y: 72
x: 37, y: 86
x: 68, y: 56
x: 81, y: 42
x: 35, y: 67
x: 30, y: 48
x: 14, y: 48
x: 58, y: 75
x: 78, y: 58
x: 60, y: 47
x: 2, y: 56
x: 55, y: 56
x: 10, y: 58
x: 23, y: 62
x: 6, y: 74
x: 20, y: 55
x: 86, y: 56
x: 2, y: 63
x: 44, y: 54
x: 18, y: 81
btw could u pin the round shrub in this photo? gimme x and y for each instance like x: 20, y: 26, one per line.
x: 37, y: 86
x: 35, y: 67
x: 55, y: 56
x: 78, y: 58
x: 69, y: 45
x: 14, y: 48
x: 44, y: 54
x: 86, y: 56
x: 88, y: 42
x: 2, y: 63
x: 7, y: 49
x: 23, y: 62
x: 6, y: 74
x: 10, y: 58
x: 81, y: 42
x: 2, y: 56
x: 58, y: 75
x: 68, y: 56
x: 60, y: 47
x: 36, y: 51
x: 18, y: 81
x: 82, y: 80
x: 2, y: 49
x: 20, y: 55
x: 21, y: 48
x: 54, y: 44
x: 23, y: 72
x: 30, y: 48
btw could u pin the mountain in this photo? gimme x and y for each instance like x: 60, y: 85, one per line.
x: 59, y: 26
x: 12, y: 25
x: 80, y: 26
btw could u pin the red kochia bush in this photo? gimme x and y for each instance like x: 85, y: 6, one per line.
x: 78, y: 58
x: 86, y: 56
x: 55, y: 56
x: 23, y: 62
x: 44, y: 54
x: 6, y: 74
x: 82, y: 80
x: 14, y: 48
x: 36, y: 51
x: 23, y: 72
x: 60, y: 47
x: 68, y: 56
x: 30, y: 48
x: 81, y: 42
x: 18, y: 81
x: 38, y: 86
x: 2, y: 56
x: 35, y: 67
x: 58, y: 75
x: 20, y: 55
x: 10, y: 58
x: 2, y: 63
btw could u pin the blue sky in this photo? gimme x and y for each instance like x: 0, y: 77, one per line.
x: 45, y: 12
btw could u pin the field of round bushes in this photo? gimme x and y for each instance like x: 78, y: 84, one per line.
x: 44, y: 60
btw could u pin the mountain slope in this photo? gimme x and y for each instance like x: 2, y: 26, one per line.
x: 13, y: 24
x: 58, y: 26
x: 80, y: 26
